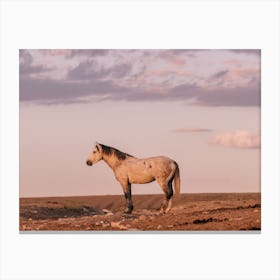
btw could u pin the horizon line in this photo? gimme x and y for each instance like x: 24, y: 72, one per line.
x: 58, y: 196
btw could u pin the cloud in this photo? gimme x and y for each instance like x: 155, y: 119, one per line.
x: 121, y: 70
x: 239, y: 139
x: 219, y: 74
x: 25, y: 57
x: 87, y: 52
x: 26, y: 65
x: 197, y: 77
x: 40, y: 89
x: 62, y: 91
x: 248, y: 51
x: 190, y: 130
x: 55, y: 52
x: 84, y: 71
x: 90, y: 70
x: 240, y: 96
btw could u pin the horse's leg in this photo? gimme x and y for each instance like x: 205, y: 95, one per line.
x: 168, y: 193
x: 127, y: 194
x: 163, y: 204
x: 169, y: 196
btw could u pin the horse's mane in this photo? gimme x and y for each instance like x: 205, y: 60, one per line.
x: 113, y: 151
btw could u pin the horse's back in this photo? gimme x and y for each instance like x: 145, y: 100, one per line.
x: 146, y: 169
x: 159, y: 159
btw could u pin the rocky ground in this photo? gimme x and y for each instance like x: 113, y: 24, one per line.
x: 194, y: 212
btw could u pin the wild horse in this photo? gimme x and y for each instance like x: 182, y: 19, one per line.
x: 131, y: 170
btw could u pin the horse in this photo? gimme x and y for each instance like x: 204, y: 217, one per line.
x: 132, y: 170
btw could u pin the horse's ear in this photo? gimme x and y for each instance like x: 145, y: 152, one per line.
x: 98, y: 147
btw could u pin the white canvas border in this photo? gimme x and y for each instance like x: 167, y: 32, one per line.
x: 156, y: 24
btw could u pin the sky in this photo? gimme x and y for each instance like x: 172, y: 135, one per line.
x: 198, y: 107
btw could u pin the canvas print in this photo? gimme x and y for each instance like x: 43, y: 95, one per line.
x: 145, y: 140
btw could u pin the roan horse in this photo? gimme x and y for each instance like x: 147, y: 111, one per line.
x: 131, y: 170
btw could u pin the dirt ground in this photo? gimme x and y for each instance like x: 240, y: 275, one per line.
x: 194, y: 212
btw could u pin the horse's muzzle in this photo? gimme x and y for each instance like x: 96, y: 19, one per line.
x: 89, y: 163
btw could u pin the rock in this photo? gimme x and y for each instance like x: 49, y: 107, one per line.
x: 159, y: 227
x: 30, y: 219
x: 170, y: 226
x: 107, y: 212
x: 117, y: 225
x: 145, y: 211
x: 256, y: 210
x: 142, y: 218
x: 129, y: 216
x: 118, y: 215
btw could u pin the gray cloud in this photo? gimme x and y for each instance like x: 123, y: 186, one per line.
x: 52, y: 90
x: 61, y: 91
x: 87, y: 52
x: 83, y: 71
x: 187, y: 52
x: 82, y: 81
x: 242, y: 96
x: 246, y: 96
x: 26, y: 66
x: 218, y: 75
x: 25, y: 57
x: 121, y: 70
x: 88, y: 79
x: 248, y: 51
x: 87, y: 70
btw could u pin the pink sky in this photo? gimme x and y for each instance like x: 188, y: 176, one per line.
x: 199, y: 107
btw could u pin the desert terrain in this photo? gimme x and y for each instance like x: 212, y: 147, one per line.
x: 193, y: 212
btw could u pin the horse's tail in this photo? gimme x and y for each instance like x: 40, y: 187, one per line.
x: 177, y: 181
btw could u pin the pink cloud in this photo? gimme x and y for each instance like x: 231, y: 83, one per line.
x: 187, y: 130
x: 237, y: 139
x: 55, y: 52
x: 199, y: 77
x: 173, y: 60
x: 244, y: 73
x: 232, y: 62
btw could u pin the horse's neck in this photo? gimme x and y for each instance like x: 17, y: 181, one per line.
x: 112, y: 161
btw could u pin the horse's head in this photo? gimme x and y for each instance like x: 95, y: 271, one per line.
x: 95, y: 155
